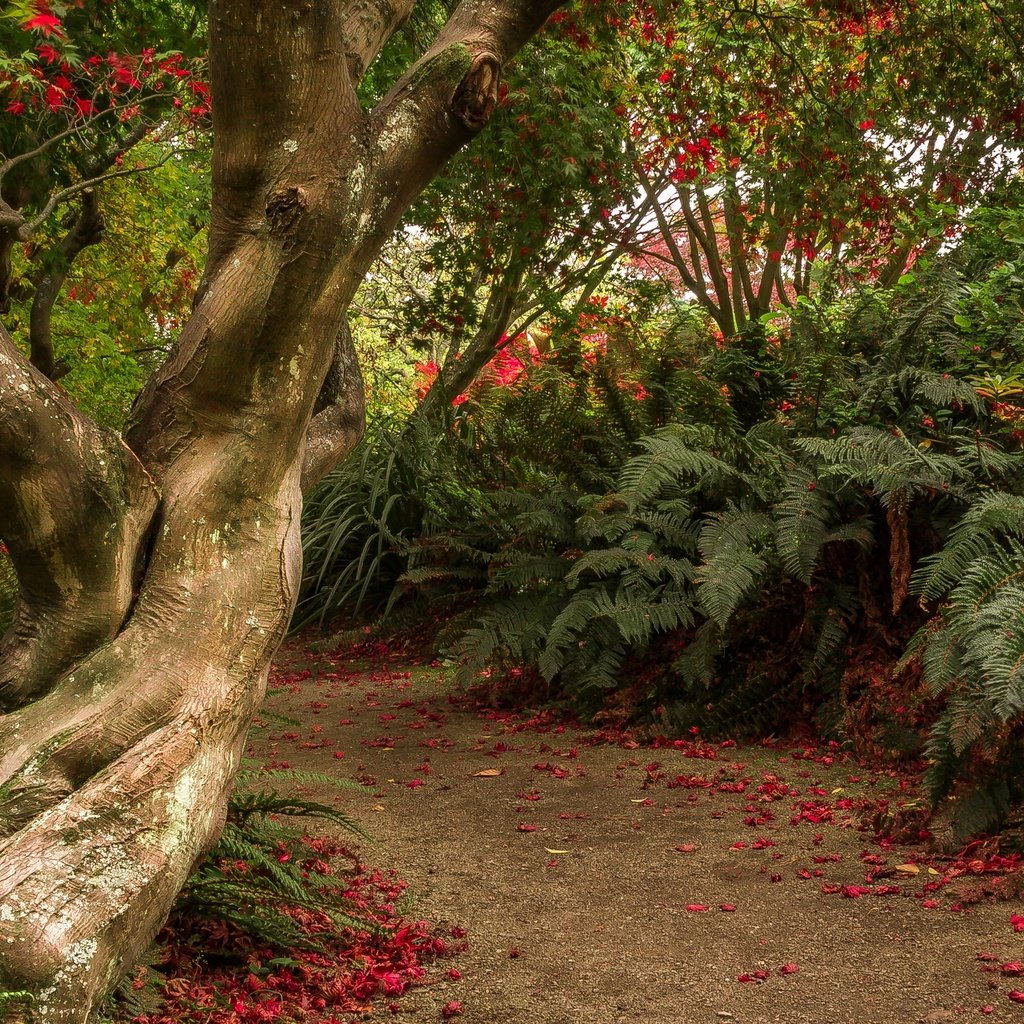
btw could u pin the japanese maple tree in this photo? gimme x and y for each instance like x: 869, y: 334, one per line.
x: 777, y: 138
x: 86, y: 105
x: 157, y: 570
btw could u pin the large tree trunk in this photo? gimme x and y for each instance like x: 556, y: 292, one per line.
x: 157, y: 573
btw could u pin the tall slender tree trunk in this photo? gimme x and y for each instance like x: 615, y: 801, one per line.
x: 157, y: 572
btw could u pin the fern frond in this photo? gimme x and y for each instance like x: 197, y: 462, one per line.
x: 800, y: 524
x: 723, y: 582
x: 696, y: 662
x: 990, y: 518
x: 246, y: 805
x: 670, y: 455
x: 940, y: 390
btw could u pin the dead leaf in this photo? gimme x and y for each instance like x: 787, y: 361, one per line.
x: 908, y: 869
x: 546, y: 850
x: 488, y: 773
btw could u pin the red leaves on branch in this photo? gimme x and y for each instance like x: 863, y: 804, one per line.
x: 49, y: 78
x: 48, y: 24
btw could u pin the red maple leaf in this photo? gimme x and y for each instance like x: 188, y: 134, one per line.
x: 48, y: 24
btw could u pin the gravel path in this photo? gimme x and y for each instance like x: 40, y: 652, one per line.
x: 602, y: 881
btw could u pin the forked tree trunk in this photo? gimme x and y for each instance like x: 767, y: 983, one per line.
x: 157, y: 573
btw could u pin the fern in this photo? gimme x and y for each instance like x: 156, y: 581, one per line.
x: 828, y: 628
x: 887, y: 462
x: 609, y: 623
x: 730, y: 566
x: 696, y: 663
x: 669, y: 455
x: 728, y: 517
x: 989, y: 519
x: 257, y: 899
x: 941, y: 390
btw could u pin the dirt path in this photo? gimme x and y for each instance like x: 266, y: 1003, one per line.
x: 603, y: 882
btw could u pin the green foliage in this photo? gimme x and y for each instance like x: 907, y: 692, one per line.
x: 263, y: 885
x: 255, y: 877
x: 976, y: 538
x: 12, y: 1000
x: 125, y: 298
x: 400, y: 485
x: 972, y: 655
x: 712, y: 552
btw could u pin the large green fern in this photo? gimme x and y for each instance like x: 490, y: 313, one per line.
x: 730, y: 541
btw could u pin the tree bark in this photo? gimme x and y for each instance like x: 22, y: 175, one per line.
x: 158, y: 573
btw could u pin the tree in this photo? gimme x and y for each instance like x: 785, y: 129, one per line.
x: 84, y: 109
x: 529, y: 220
x: 157, y: 571
x: 774, y: 138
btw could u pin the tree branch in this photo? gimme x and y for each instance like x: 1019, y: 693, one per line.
x: 74, y: 507
x: 368, y: 26
x: 295, y: 62
x: 493, y: 324
x: 734, y: 225
x: 84, y: 186
x: 49, y: 280
x: 51, y: 140
x: 776, y: 243
x: 718, y: 278
x: 448, y: 95
x: 665, y: 228
x: 339, y: 418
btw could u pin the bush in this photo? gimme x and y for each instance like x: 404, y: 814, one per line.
x: 748, y: 533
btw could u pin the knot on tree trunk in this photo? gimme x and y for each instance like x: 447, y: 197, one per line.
x: 285, y: 208
x: 477, y: 95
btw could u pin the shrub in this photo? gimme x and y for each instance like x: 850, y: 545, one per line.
x: 747, y: 533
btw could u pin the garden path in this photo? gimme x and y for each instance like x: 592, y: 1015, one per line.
x: 601, y: 879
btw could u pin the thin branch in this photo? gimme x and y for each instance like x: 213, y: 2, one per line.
x: 82, y: 186
x: 668, y: 238
x: 368, y: 26
x: 721, y: 283
x: 20, y: 158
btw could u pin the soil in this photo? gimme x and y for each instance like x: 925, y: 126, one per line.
x: 603, y: 880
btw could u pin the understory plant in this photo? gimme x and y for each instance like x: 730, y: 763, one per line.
x: 277, y: 924
x: 745, y: 534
